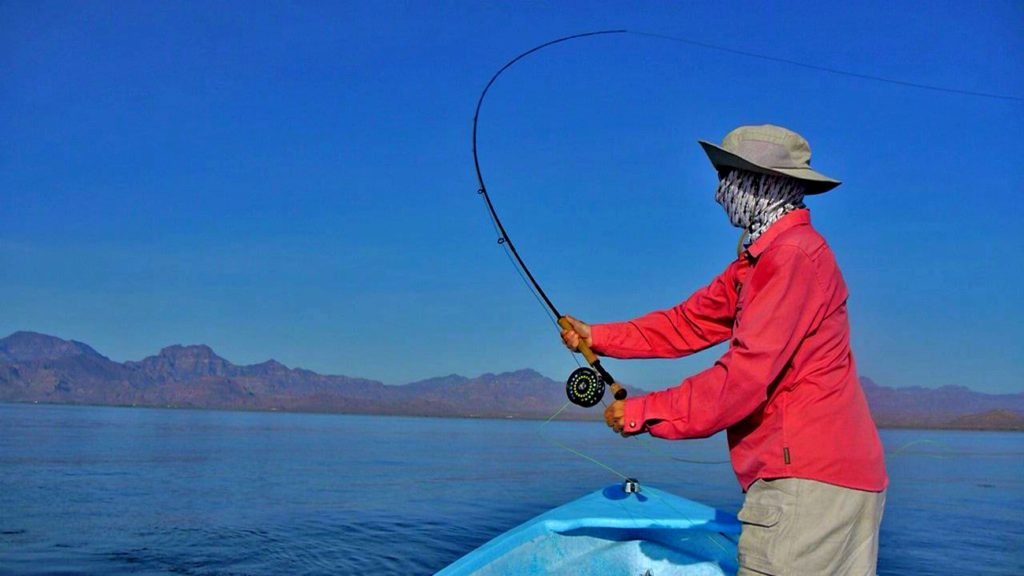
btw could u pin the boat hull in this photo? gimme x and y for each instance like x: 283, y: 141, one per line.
x: 611, y: 532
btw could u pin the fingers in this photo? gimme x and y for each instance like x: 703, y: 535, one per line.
x: 578, y: 333
x: 614, y: 416
x: 582, y: 328
x: 571, y: 339
x: 609, y: 417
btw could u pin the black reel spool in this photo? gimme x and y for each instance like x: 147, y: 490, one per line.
x: 584, y: 387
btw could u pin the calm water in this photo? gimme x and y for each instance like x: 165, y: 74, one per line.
x: 86, y: 490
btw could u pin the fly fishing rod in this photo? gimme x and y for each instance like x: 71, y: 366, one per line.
x: 586, y: 385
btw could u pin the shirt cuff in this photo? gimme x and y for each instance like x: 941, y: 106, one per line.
x: 633, y: 415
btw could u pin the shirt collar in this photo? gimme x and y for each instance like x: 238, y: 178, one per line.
x: 801, y: 217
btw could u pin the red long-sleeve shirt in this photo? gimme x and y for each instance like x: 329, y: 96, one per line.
x: 787, y: 388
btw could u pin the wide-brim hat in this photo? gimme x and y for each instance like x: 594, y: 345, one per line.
x: 769, y: 149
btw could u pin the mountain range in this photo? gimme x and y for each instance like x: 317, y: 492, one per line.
x: 40, y: 368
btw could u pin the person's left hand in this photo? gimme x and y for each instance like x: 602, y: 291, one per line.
x: 615, y: 416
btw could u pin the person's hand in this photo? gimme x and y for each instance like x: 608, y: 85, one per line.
x: 580, y: 332
x: 615, y: 416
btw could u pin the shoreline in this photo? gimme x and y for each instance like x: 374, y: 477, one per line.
x: 523, y: 417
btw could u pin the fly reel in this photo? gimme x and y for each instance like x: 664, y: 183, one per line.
x: 584, y: 387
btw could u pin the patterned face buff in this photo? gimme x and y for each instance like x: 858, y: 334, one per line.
x: 755, y: 201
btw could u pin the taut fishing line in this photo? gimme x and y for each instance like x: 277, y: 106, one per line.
x: 586, y: 385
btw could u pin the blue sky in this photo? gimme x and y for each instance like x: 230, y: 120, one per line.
x: 295, y: 181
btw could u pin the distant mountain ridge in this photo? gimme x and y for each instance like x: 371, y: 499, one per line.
x: 30, y: 346
x: 945, y: 407
x: 40, y: 368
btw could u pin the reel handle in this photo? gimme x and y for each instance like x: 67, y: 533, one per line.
x: 617, y: 390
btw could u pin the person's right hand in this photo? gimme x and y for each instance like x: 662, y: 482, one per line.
x: 580, y: 332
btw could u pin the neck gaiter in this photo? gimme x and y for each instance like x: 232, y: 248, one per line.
x: 755, y: 201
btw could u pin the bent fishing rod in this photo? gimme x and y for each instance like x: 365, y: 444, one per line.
x: 585, y: 386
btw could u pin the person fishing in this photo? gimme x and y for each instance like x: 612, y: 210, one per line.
x: 802, y: 442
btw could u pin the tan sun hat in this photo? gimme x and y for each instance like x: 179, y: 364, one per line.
x: 769, y: 149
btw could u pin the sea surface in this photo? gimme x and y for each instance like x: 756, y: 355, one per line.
x: 97, y: 490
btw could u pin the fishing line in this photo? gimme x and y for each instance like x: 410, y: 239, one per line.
x: 649, y: 446
x: 529, y: 286
x: 551, y: 318
x: 535, y: 295
x: 829, y: 69
x: 900, y: 451
x: 568, y: 448
x: 696, y: 521
x: 949, y: 451
x: 594, y: 460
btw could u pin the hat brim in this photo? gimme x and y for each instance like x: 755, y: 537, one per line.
x: 722, y: 158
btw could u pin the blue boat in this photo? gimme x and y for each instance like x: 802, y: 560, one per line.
x: 623, y: 530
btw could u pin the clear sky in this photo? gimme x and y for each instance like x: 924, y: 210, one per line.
x: 294, y: 181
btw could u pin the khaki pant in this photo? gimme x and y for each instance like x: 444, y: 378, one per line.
x: 793, y: 526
